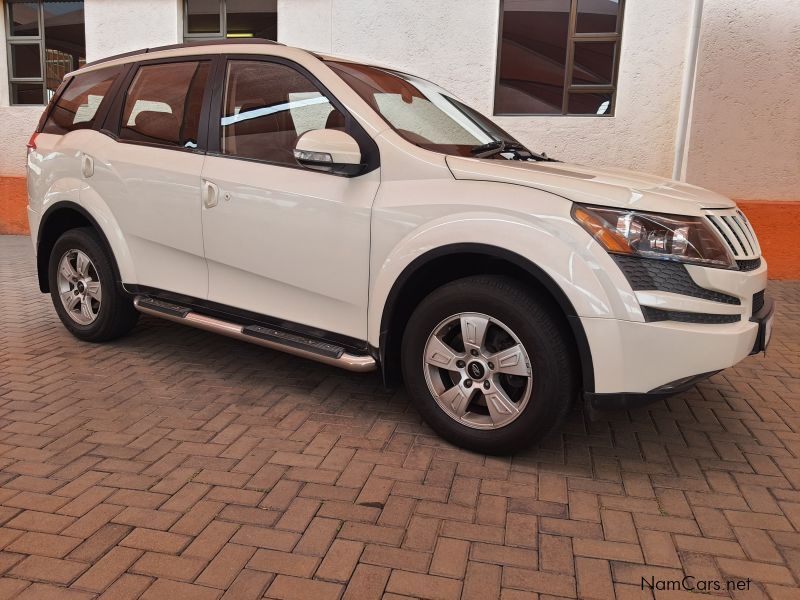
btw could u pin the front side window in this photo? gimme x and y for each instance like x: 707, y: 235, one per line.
x: 558, y: 57
x: 77, y: 105
x: 46, y: 40
x: 208, y: 19
x: 267, y: 107
x: 163, y: 104
x: 428, y: 116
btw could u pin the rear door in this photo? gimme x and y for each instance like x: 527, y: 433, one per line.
x: 282, y: 240
x: 147, y: 164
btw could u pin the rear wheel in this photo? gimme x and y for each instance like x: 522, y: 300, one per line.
x: 489, y: 366
x: 84, y: 290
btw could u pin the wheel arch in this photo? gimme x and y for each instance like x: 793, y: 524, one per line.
x: 57, y: 220
x: 448, y: 263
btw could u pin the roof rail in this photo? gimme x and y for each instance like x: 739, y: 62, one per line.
x: 192, y: 44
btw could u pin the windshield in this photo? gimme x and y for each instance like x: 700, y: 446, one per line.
x: 427, y: 116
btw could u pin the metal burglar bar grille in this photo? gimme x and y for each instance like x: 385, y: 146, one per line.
x: 735, y: 229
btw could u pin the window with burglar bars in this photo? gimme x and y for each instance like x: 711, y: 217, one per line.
x: 558, y: 57
x: 209, y: 19
x: 45, y: 40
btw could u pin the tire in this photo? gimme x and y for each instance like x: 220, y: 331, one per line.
x: 516, y: 318
x: 91, y: 320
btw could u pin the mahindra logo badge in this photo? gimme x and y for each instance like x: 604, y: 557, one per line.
x: 475, y: 370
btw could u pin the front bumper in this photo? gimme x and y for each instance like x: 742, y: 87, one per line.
x: 762, y: 321
x: 639, y: 361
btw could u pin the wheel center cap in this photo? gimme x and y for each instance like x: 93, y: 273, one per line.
x: 476, y: 370
x: 81, y: 287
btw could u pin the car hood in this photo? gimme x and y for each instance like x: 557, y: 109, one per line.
x: 589, y: 185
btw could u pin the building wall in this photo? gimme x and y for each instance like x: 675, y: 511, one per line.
x: 454, y: 43
x: 745, y: 131
x: 125, y: 25
x: 744, y: 135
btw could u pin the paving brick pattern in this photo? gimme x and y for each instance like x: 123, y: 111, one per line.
x: 176, y: 464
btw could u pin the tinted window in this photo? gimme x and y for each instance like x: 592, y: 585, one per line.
x: 545, y: 68
x: 77, y: 107
x: 597, y: 16
x: 23, y: 18
x: 231, y: 18
x: 267, y: 107
x: 164, y: 102
x: 203, y: 16
x: 533, y: 57
x: 256, y: 18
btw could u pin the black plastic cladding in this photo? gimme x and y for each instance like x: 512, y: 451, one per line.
x: 652, y: 315
x: 666, y: 276
x: 749, y: 265
x: 758, y: 301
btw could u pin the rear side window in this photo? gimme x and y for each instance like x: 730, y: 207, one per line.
x: 267, y: 107
x: 77, y: 107
x: 163, y: 104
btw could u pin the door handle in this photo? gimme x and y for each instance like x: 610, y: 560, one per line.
x: 87, y: 165
x: 210, y: 194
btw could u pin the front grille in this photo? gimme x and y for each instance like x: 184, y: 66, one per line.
x: 749, y: 265
x: 758, y: 301
x: 656, y: 314
x: 666, y: 276
x: 735, y: 229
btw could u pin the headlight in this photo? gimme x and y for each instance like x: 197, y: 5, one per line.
x: 651, y: 235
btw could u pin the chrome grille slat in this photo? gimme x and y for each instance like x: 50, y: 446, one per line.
x: 749, y: 231
x: 734, y: 228
x: 727, y: 235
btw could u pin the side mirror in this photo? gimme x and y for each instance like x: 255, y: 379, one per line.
x: 329, y: 150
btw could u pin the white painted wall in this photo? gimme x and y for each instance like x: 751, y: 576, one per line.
x: 454, y: 43
x: 745, y: 131
x: 125, y: 25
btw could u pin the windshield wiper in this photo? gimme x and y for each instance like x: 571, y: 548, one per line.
x: 501, y: 146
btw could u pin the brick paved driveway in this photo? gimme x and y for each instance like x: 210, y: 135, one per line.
x: 176, y: 464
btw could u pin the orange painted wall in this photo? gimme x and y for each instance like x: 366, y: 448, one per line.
x: 13, y: 202
x: 776, y: 224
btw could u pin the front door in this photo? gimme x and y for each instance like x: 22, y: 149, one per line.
x: 281, y: 240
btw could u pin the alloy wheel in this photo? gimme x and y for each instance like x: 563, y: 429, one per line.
x: 478, y: 370
x: 79, y: 287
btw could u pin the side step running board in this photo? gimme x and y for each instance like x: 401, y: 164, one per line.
x: 298, y: 345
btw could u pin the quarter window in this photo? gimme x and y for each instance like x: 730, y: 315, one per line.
x: 558, y: 57
x: 77, y: 105
x: 204, y: 19
x: 267, y: 107
x: 46, y: 40
x: 164, y: 103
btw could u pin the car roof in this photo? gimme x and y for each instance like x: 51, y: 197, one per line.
x: 214, y: 46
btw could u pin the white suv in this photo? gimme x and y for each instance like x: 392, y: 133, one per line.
x: 366, y: 218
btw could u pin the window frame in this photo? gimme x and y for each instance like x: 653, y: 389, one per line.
x: 112, y: 122
x: 17, y: 40
x: 573, y: 37
x: 223, y: 24
x: 369, y: 149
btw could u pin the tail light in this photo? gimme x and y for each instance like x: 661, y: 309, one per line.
x: 32, y: 142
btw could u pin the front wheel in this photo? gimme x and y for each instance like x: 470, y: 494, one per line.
x: 489, y: 365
